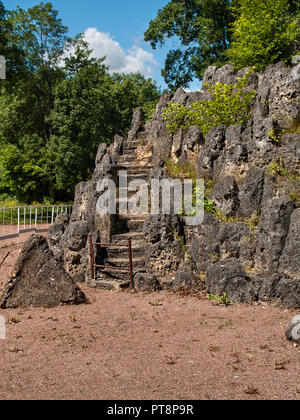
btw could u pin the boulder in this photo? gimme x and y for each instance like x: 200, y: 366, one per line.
x: 229, y: 276
x: 39, y: 280
x: 146, y: 283
x: 186, y: 279
x: 293, y: 331
x: 277, y: 290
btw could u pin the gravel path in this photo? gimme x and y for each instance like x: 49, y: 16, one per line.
x: 146, y: 346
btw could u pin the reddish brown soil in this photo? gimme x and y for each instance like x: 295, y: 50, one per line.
x: 122, y: 347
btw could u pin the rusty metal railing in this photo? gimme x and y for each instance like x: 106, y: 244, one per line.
x: 92, y: 258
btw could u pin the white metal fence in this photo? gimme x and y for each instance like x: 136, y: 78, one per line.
x: 17, y: 220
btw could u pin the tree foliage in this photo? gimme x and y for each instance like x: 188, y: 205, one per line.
x: 57, y: 105
x: 201, y: 26
x: 213, y: 32
x: 263, y: 32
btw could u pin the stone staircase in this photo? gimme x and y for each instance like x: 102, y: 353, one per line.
x: 127, y: 226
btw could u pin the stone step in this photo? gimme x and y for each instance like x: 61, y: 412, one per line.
x: 137, y: 251
x: 135, y: 175
x: 124, y: 262
x: 137, y: 217
x: 143, y: 175
x: 131, y: 193
x: 128, y: 159
x: 134, y: 168
x: 106, y: 283
x: 122, y: 238
x: 133, y: 143
x: 131, y: 222
x: 129, y: 150
x: 136, y: 225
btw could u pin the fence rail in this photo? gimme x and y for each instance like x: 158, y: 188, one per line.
x: 23, y: 219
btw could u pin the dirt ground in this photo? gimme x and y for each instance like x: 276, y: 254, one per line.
x: 158, y: 346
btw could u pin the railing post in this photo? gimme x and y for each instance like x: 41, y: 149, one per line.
x: 91, y: 256
x: 35, y: 218
x: 130, y: 263
x: 18, y: 220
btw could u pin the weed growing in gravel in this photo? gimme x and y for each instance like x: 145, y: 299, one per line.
x: 221, y: 300
x: 15, y: 320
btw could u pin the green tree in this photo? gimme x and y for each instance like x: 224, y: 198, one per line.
x: 263, y: 32
x: 90, y: 108
x: 3, y: 39
x: 36, y: 38
x: 11, y: 53
x: 202, y: 28
x: 60, y: 106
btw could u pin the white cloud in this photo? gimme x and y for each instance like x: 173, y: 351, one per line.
x: 135, y: 59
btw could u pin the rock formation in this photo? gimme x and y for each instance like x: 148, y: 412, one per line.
x: 39, y: 280
x: 249, y: 248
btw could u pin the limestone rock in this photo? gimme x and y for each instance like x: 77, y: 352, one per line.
x: 164, y: 252
x: 186, y: 279
x: 229, y: 276
x: 293, y: 331
x: 272, y: 232
x: 251, y: 193
x: 39, y: 280
x: 225, y: 194
x: 55, y: 233
x: 290, y: 258
x: 146, y: 283
x: 214, y: 144
x: 236, y: 240
x: 138, y: 124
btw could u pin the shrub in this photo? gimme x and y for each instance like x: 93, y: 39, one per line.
x: 229, y: 105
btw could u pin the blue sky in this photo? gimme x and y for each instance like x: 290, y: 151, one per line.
x: 116, y: 29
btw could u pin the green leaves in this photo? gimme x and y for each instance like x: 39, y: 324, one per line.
x: 39, y: 33
x: 58, y: 109
x: 229, y: 105
x: 262, y: 32
x: 201, y: 27
x: 257, y: 33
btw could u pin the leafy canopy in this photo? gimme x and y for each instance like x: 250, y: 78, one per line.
x: 263, y: 32
x: 57, y: 105
x: 201, y: 26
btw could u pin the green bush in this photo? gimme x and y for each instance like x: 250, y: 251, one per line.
x: 229, y: 105
x: 262, y: 32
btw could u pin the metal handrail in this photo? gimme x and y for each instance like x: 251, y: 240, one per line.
x: 92, y: 258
